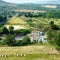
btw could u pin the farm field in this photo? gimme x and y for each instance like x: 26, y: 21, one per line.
x: 21, y: 23
x: 30, y: 30
x: 29, y: 50
x: 31, y: 53
x: 30, y: 11
x: 33, y: 57
x: 16, y: 20
x: 17, y: 23
x: 46, y: 21
x: 16, y: 26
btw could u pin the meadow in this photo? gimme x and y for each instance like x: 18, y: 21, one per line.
x: 33, y: 57
x: 46, y: 21
x: 31, y: 53
x: 17, y: 23
x: 24, y: 22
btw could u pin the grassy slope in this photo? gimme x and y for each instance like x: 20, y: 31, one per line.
x: 17, y: 22
x: 47, y: 21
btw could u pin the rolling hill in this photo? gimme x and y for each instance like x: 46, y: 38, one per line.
x: 4, y: 6
x: 17, y: 23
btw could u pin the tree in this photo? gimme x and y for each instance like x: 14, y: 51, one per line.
x: 11, y: 29
x: 22, y: 31
x: 49, y: 34
x: 48, y: 15
x: 9, y: 40
x: 5, y: 30
x: 53, y: 26
x: 58, y: 14
x: 57, y: 39
x: 26, y: 41
x: 29, y: 21
x: 0, y: 18
x: 3, y: 18
x: 1, y: 31
x: 52, y: 23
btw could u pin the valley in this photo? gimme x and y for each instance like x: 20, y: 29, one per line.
x: 29, y: 31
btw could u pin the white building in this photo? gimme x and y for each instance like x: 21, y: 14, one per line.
x: 38, y: 36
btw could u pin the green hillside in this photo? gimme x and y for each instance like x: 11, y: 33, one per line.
x: 17, y: 23
x: 47, y: 20
x: 5, y: 6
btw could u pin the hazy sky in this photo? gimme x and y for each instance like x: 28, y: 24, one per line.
x: 29, y: 1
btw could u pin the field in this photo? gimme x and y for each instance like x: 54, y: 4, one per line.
x: 29, y: 50
x: 46, y: 21
x: 31, y: 53
x: 50, y: 6
x: 17, y: 23
x: 30, y: 11
x: 33, y: 57
x: 16, y: 26
x: 16, y: 20
x: 21, y: 22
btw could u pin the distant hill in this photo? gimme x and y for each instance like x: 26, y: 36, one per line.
x: 53, y: 2
x: 4, y: 6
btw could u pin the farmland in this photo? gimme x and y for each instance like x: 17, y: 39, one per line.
x: 23, y: 22
x: 34, y: 57
x: 31, y: 52
x: 29, y: 31
x: 46, y: 21
x: 16, y: 20
x: 17, y: 23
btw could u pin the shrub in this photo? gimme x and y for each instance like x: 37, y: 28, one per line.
x: 11, y: 30
x: 9, y: 40
x: 5, y: 30
x: 57, y: 39
x: 22, y: 31
x: 26, y: 41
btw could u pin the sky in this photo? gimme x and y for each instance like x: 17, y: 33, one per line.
x: 32, y: 1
